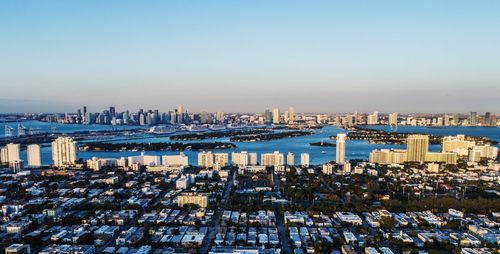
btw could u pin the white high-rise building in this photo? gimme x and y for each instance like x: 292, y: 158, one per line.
x: 13, y: 152
x: 209, y: 159
x: 304, y: 159
x: 144, y: 160
x: 417, y: 147
x: 290, y: 159
x: 4, y: 155
x: 393, y: 119
x: 205, y: 159
x: 64, y: 151
x: 177, y: 160
x: 291, y: 114
x: 219, y: 117
x: 252, y: 158
x: 276, y: 116
x: 221, y: 159
x: 272, y: 159
x: 327, y: 169
x: 373, y: 118
x: 34, y: 156
x: 340, y: 149
x: 244, y: 158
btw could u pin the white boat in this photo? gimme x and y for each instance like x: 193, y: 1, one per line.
x: 162, y: 129
x: 217, y: 127
x: 197, y: 128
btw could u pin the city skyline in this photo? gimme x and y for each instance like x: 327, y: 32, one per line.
x: 262, y: 127
x: 387, y: 56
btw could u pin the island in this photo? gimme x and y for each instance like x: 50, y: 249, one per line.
x: 269, y: 136
x: 374, y: 136
x: 218, y: 134
x: 323, y: 144
x: 177, y: 146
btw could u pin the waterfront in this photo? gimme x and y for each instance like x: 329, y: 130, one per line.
x: 354, y: 149
x: 46, y: 127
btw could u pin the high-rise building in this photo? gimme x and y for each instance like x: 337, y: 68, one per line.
x: 219, y: 117
x: 221, y: 159
x: 276, y: 116
x: 199, y: 199
x: 83, y: 115
x: 447, y: 121
x: 34, y: 156
x: 386, y: 156
x: 13, y: 152
x: 291, y: 115
x: 340, y: 148
x: 205, y: 159
x: 487, y: 119
x: 268, y: 116
x: 417, y: 147
x: 244, y: 158
x: 290, y: 159
x: 373, y: 118
x: 473, y: 118
x: 457, y: 144
x: 304, y: 159
x: 272, y: 159
x: 181, y: 117
x: 180, y: 160
x: 240, y: 159
x: 64, y: 152
x: 4, y: 155
x: 327, y: 169
x: 112, y: 112
x: 456, y: 119
x: 393, y: 119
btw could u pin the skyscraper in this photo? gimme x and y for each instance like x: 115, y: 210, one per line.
x: 417, y: 146
x: 205, y: 159
x: 473, y: 118
x: 64, y: 151
x: 4, y: 155
x: 340, y: 148
x: 13, y: 152
x: 34, y: 156
x: 487, y: 119
x: 373, y: 118
x: 84, y: 115
x: 304, y: 159
x: 181, y: 114
x: 290, y: 159
x: 268, y: 116
x: 291, y: 114
x: 219, y: 117
x: 276, y: 116
x: 272, y: 159
x: 112, y: 112
x: 393, y: 119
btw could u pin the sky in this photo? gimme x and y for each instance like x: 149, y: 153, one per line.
x: 246, y: 56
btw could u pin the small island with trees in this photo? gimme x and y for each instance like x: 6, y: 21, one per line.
x: 269, y: 136
x: 323, y: 144
x: 100, y: 146
x: 218, y: 134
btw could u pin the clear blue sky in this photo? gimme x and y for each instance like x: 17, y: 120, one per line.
x: 327, y: 56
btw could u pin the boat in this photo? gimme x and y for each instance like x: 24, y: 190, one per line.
x: 216, y: 127
x: 197, y: 128
x: 162, y: 129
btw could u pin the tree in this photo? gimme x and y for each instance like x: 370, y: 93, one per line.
x: 387, y: 223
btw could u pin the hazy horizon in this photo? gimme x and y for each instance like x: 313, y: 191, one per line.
x: 238, y: 56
